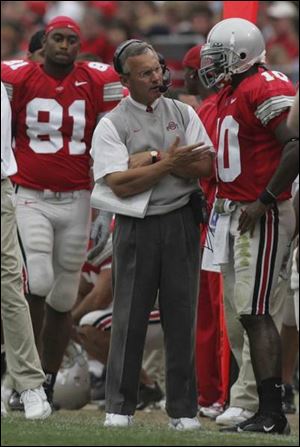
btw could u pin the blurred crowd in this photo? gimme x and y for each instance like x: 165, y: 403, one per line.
x: 171, y: 26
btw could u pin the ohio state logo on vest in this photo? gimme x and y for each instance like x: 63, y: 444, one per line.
x: 172, y: 126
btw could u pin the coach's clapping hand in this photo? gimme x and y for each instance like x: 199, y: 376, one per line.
x: 185, y: 155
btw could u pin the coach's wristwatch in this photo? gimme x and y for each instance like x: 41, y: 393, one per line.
x: 155, y: 156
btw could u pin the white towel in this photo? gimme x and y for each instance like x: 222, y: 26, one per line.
x: 209, y: 245
x: 221, y: 242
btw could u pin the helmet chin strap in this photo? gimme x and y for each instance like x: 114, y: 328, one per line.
x: 221, y: 77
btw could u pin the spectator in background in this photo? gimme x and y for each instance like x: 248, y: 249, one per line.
x: 116, y: 32
x: 74, y: 10
x: 283, y: 46
x: 201, y: 18
x: 35, y: 48
x: 174, y: 14
x: 94, y: 40
x: 149, y: 20
x: 11, y: 37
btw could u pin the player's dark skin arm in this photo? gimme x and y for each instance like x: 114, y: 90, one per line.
x: 284, y: 175
x: 288, y: 169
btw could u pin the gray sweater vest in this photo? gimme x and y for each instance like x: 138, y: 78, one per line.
x: 143, y: 131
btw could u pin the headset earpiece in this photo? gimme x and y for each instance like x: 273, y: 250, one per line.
x: 166, y: 73
x: 121, y: 48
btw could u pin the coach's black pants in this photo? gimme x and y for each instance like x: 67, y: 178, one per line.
x: 151, y: 254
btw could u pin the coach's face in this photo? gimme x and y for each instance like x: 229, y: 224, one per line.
x: 62, y: 46
x: 143, y: 77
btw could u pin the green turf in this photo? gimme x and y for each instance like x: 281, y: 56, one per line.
x: 82, y: 428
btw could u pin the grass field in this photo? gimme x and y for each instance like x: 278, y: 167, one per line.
x: 85, y: 427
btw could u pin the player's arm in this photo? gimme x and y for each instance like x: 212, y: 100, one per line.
x: 277, y: 92
x: 100, y: 297
x: 284, y: 176
x: 288, y: 168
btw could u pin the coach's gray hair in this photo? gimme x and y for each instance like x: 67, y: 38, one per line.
x: 135, y: 49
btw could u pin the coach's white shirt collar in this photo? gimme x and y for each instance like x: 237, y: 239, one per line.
x: 142, y: 106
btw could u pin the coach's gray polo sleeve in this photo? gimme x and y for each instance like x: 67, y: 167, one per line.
x: 108, y: 151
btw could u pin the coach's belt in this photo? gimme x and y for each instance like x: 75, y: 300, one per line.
x: 48, y: 194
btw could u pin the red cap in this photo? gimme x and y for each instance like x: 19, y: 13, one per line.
x: 192, y: 57
x: 62, y: 22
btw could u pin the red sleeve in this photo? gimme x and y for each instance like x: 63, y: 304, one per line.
x: 271, y: 96
x: 13, y: 74
x: 109, y: 90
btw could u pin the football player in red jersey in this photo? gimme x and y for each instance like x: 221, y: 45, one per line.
x: 55, y: 110
x: 256, y: 162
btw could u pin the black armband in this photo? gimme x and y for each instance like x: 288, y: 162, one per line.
x: 267, y: 197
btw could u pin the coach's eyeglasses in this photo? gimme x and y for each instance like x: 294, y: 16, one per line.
x: 147, y: 74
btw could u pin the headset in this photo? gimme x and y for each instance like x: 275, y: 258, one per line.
x: 166, y: 74
x: 121, y: 48
x: 119, y: 69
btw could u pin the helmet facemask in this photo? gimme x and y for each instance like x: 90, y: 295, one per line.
x: 220, y: 62
x: 216, y: 64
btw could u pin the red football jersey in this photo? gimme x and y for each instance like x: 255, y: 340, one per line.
x: 54, y: 119
x: 247, y: 151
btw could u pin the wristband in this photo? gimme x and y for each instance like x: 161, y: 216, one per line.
x: 291, y: 140
x: 267, y: 197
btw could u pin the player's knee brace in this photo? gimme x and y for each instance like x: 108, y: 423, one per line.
x: 40, y: 275
x: 64, y: 292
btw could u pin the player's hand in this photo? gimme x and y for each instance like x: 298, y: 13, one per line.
x: 99, y: 234
x: 250, y: 215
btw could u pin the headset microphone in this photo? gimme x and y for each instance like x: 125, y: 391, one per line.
x: 166, y: 74
x: 163, y: 88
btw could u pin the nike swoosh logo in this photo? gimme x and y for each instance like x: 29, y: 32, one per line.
x: 278, y: 386
x: 267, y: 429
x: 78, y: 83
x: 233, y: 100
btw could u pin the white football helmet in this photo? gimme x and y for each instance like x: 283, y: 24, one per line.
x: 72, y: 386
x: 232, y: 47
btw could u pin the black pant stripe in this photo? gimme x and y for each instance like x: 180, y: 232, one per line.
x: 273, y: 255
x: 25, y: 277
x: 261, y: 247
